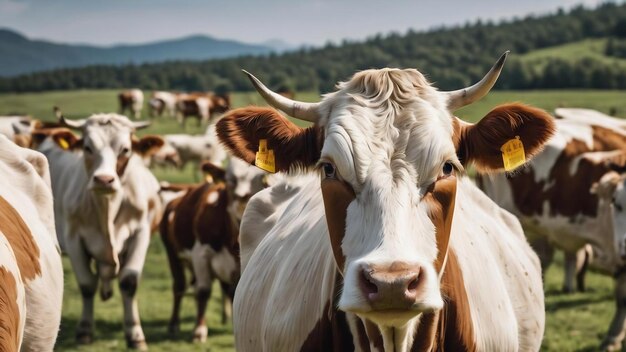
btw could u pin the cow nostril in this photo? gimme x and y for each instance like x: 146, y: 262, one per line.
x: 413, y: 283
x: 105, y: 180
x: 368, y: 287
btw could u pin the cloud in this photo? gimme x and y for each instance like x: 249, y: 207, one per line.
x: 10, y: 7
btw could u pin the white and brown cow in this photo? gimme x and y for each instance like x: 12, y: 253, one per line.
x: 131, y: 100
x: 106, y: 203
x: 199, y: 232
x: 571, y: 197
x: 162, y: 102
x: 196, y: 105
x: 31, y: 274
x: 389, y: 246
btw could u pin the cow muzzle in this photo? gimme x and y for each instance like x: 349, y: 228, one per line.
x: 104, y: 183
x: 393, y: 287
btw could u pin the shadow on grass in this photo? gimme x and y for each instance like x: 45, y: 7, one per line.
x: 155, y: 331
x: 552, y: 306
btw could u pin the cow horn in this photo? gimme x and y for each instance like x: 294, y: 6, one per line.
x: 462, y: 97
x: 75, y: 124
x: 138, y: 125
x: 297, y: 109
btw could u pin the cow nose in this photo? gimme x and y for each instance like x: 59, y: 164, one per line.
x: 394, y: 286
x: 104, y: 180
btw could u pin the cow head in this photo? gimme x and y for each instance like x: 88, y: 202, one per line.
x: 611, y: 193
x: 107, y: 145
x: 389, y: 153
x: 243, y: 182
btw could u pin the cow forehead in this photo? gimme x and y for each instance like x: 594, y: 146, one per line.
x: 105, y: 129
x: 389, y: 116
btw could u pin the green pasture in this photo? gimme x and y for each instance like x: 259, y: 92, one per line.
x: 575, y: 322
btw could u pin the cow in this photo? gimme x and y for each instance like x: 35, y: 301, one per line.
x: 131, y: 100
x: 244, y: 181
x: 197, y: 148
x: 162, y: 102
x: 106, y: 205
x: 16, y: 127
x: 193, y: 105
x: 590, y: 117
x: 199, y: 232
x: 31, y: 273
x: 570, y: 197
x: 220, y: 103
x: 387, y: 244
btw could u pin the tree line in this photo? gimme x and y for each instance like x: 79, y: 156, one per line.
x: 452, y: 57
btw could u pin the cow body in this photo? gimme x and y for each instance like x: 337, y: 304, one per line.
x: 106, y: 206
x: 163, y: 102
x: 132, y: 101
x: 388, y: 246
x: 202, y: 106
x: 199, y: 232
x: 31, y: 273
x: 569, y: 197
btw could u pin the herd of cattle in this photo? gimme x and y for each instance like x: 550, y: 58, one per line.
x: 370, y: 237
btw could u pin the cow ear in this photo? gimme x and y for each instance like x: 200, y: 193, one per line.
x: 606, y: 186
x: 216, y: 172
x: 481, y: 143
x: 65, y: 139
x: 241, y: 131
x: 147, y: 145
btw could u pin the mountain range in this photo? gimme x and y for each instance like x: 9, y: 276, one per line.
x: 19, y: 54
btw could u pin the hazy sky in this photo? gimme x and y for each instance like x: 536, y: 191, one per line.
x: 311, y: 22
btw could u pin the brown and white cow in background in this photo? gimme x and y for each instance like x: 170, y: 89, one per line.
x: 199, y: 232
x: 389, y: 246
x: 131, y: 100
x: 193, y: 105
x: 571, y: 196
x: 31, y: 273
x: 162, y: 102
x: 106, y: 204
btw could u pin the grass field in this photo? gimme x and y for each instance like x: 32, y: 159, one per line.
x: 571, y: 52
x: 575, y: 322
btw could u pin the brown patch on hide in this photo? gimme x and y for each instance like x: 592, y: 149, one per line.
x: 10, y: 317
x: 337, y: 197
x: 21, y: 241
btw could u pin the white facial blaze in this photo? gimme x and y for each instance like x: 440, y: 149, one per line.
x: 388, y: 145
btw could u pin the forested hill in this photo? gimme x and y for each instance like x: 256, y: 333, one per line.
x: 579, y: 48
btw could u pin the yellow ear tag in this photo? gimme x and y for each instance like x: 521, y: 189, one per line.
x: 63, y: 144
x: 208, y: 178
x: 265, y: 158
x: 513, y: 154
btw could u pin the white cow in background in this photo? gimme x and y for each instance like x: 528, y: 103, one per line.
x: 163, y: 102
x: 106, y: 206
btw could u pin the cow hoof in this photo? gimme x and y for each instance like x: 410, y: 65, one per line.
x: 611, y: 346
x: 139, y: 345
x: 84, y: 338
x: 200, y: 334
x: 173, y: 329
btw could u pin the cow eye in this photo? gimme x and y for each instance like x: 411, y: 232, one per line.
x: 87, y: 149
x: 124, y: 151
x: 329, y: 170
x: 447, y: 169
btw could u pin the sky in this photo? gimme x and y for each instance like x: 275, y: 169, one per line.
x: 313, y: 22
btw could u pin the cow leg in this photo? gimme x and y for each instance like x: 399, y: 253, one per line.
x: 613, y: 340
x: 137, y: 247
x: 88, y: 284
x: 227, y: 302
x: 107, y: 274
x: 201, y: 259
x: 569, y: 272
x: 583, y: 258
x: 179, y: 286
x: 545, y: 252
